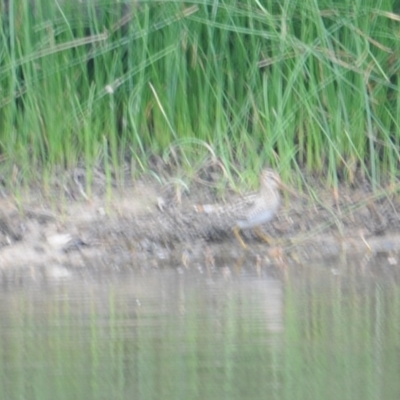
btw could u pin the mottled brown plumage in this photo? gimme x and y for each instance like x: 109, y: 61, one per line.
x: 252, y: 210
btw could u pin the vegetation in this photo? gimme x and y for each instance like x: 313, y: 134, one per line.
x: 295, y: 84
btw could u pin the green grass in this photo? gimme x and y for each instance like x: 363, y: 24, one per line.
x: 296, y: 85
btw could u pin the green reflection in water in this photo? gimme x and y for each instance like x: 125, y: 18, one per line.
x: 299, y: 333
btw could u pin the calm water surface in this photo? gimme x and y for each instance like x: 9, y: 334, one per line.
x: 230, y: 332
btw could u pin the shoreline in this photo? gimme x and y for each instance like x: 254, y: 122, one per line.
x: 145, y: 222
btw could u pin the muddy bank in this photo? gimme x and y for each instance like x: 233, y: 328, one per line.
x: 147, y: 222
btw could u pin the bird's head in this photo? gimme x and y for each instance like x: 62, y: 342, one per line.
x: 270, y: 179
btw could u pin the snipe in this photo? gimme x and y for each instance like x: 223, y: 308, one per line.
x: 252, y: 210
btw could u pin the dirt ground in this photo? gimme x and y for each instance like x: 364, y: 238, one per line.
x: 152, y: 224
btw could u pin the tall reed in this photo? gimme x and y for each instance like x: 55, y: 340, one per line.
x: 294, y: 84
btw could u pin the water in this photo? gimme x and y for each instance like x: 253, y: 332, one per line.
x: 230, y: 332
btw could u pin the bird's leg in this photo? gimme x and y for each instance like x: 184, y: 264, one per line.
x: 269, y: 240
x: 236, y: 231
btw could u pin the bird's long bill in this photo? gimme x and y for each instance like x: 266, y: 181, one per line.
x: 288, y: 189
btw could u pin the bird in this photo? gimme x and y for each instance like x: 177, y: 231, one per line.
x: 252, y: 210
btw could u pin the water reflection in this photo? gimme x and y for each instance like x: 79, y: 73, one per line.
x: 315, y: 331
